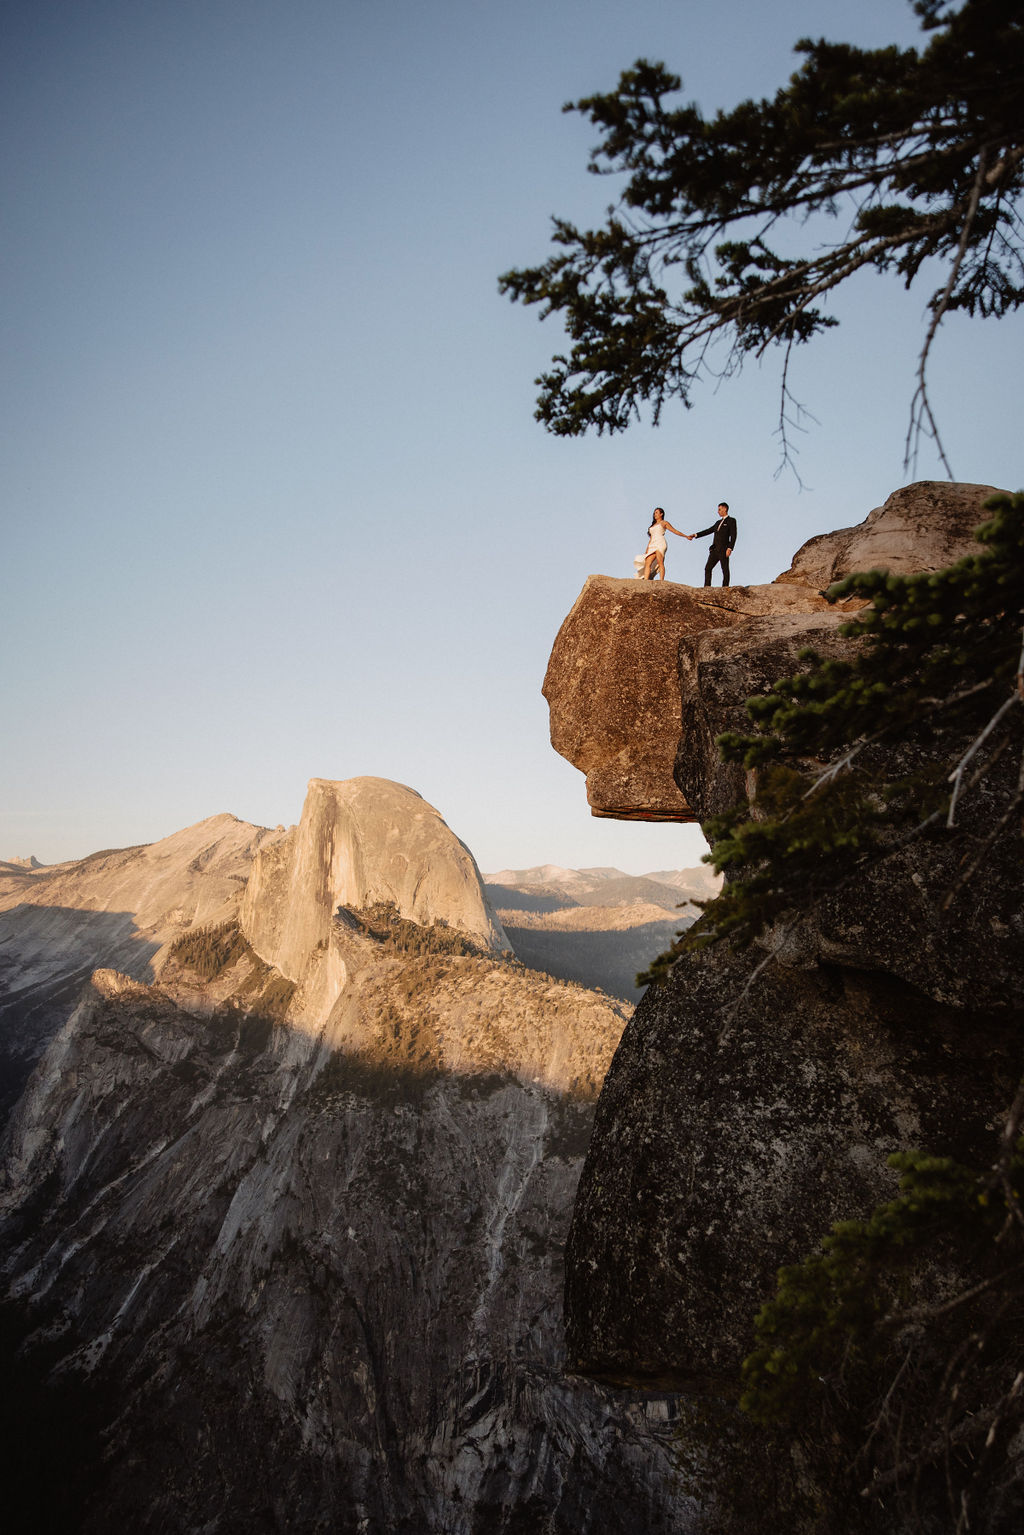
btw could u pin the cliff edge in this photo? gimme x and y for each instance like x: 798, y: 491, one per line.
x: 756, y: 1096
x: 621, y: 686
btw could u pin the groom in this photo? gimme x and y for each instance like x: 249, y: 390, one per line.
x: 722, y: 544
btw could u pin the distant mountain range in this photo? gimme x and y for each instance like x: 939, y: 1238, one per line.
x: 558, y: 888
x: 596, y: 926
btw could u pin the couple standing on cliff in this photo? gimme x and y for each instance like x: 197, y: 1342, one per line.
x: 723, y: 542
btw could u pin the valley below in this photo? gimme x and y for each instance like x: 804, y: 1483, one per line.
x: 598, y: 927
x: 284, y: 1202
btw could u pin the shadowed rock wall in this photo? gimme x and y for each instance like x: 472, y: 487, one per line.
x: 755, y: 1097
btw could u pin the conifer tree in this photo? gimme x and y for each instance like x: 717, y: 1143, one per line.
x: 916, y: 155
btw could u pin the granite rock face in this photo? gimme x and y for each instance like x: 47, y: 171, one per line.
x: 620, y: 680
x: 122, y: 908
x: 738, y: 1121
x: 754, y: 1099
x: 612, y: 683
x: 299, y: 1237
x: 923, y: 527
x: 361, y: 841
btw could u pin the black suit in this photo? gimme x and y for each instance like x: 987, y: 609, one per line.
x: 722, y: 545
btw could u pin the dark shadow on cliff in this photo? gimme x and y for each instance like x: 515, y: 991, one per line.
x: 47, y: 954
x: 51, y: 1440
x: 376, y: 1079
x: 143, y: 1453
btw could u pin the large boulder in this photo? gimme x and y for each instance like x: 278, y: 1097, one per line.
x: 612, y: 682
x: 644, y: 675
x: 923, y: 527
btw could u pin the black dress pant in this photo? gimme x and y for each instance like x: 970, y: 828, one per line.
x: 713, y: 560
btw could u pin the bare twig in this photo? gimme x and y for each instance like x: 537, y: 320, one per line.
x: 929, y: 1313
x: 966, y: 1430
x: 956, y: 776
x: 729, y: 1012
x: 997, y: 830
x: 840, y: 765
x: 920, y: 408
x: 883, y: 1411
x: 788, y: 400
x: 925, y: 708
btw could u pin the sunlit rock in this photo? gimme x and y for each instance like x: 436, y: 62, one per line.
x: 644, y: 675
x: 360, y: 841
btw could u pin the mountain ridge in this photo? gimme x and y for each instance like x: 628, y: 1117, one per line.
x: 302, y: 1230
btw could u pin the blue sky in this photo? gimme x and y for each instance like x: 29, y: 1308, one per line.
x: 273, y: 501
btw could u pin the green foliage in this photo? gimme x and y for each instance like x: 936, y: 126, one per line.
x: 826, y: 1312
x: 919, y: 155
x: 273, y: 998
x: 210, y: 950
x: 854, y: 756
x: 383, y: 924
x: 657, y: 971
x: 891, y: 1358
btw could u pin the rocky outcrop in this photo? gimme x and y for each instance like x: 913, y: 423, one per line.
x: 754, y: 1099
x: 358, y: 841
x: 921, y: 528
x: 122, y: 908
x: 620, y: 681
x: 362, y: 841
x: 301, y: 1235
x: 612, y: 683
